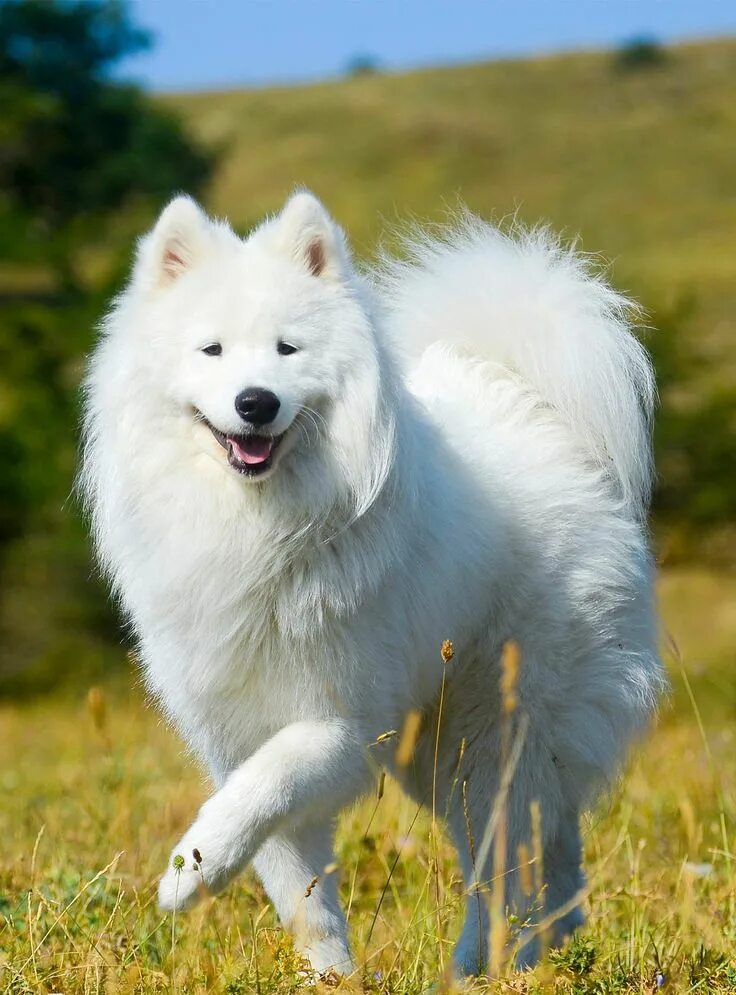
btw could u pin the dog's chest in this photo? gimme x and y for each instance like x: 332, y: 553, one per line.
x: 244, y: 631
x: 231, y: 671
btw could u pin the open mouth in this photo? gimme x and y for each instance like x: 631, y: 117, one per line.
x: 248, y: 453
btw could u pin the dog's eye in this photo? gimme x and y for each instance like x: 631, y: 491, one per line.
x: 215, y: 349
x: 285, y: 348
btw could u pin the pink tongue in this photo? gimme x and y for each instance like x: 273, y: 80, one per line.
x: 251, y: 450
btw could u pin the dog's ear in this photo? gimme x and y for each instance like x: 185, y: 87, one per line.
x: 182, y: 236
x: 363, y: 430
x: 310, y: 236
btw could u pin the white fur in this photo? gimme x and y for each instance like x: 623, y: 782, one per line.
x: 490, y: 485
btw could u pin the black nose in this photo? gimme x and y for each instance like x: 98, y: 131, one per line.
x: 257, y: 406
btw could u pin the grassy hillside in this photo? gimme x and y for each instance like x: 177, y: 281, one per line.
x: 637, y: 162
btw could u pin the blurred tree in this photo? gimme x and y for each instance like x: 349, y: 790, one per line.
x: 75, y: 145
x: 81, y: 158
x: 362, y: 64
x: 695, y: 439
x: 640, y: 53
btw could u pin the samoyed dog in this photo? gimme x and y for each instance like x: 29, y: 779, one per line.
x: 303, y: 479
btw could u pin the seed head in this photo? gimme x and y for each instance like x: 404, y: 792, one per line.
x: 178, y: 862
x: 447, y: 651
x: 525, y: 869
x: 510, y: 660
x: 96, y: 706
x: 409, y: 736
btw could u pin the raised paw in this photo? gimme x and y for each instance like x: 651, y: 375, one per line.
x: 182, y: 884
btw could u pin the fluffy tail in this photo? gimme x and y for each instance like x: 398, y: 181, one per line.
x: 527, y: 302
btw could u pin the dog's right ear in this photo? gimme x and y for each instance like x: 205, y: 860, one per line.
x: 181, y: 237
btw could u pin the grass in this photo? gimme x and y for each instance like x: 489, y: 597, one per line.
x: 95, y: 789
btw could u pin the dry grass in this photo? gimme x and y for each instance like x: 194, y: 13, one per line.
x: 95, y: 790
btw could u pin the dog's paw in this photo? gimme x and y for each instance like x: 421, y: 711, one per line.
x: 182, y: 885
x: 328, y: 957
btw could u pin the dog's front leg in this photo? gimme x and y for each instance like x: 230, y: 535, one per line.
x: 294, y: 866
x: 305, y: 773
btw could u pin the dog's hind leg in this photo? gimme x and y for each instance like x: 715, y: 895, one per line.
x: 291, y: 866
x: 475, y: 798
x: 564, y: 881
x: 471, y: 951
x: 561, y: 882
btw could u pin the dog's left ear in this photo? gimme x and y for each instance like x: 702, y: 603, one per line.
x: 310, y: 236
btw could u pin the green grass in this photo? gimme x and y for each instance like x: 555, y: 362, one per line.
x: 92, y: 803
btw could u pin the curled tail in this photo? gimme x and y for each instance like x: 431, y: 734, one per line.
x: 527, y: 302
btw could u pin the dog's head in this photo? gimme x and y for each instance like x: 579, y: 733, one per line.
x: 269, y: 348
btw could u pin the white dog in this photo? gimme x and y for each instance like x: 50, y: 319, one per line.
x: 302, y: 481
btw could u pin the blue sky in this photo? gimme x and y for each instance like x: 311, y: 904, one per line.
x: 226, y: 43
